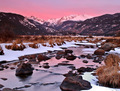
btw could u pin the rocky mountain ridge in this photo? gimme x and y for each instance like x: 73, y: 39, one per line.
x: 108, y: 24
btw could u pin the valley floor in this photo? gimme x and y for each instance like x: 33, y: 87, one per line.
x: 50, y: 79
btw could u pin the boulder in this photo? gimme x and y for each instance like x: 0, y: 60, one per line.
x: 1, y: 68
x: 108, y: 46
x: 64, y: 64
x: 65, y: 53
x: 6, y: 66
x: 91, y: 46
x: 99, y: 52
x: 83, y: 69
x: 68, y: 51
x: 70, y: 57
x: 2, y: 62
x: 1, y: 86
x: 31, y: 56
x: 42, y: 57
x: 89, y: 56
x: 60, y: 53
x: 72, y: 67
x: 24, y: 69
x: 4, y: 79
x: 12, y: 68
x: 86, y: 46
x: 98, y: 59
x: 85, y: 61
x: 82, y: 56
x: 58, y: 57
x: 75, y: 83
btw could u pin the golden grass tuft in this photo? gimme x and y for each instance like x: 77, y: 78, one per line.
x: 0, y: 48
x: 18, y: 41
x: 1, y: 51
x: 43, y: 44
x: 34, y: 45
x: 112, y: 60
x: 109, y: 76
x: 15, y: 46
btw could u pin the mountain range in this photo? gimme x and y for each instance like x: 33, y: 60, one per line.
x: 108, y: 24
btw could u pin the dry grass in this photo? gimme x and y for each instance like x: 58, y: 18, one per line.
x: 53, y: 39
x: 0, y: 48
x: 1, y: 51
x: 60, y: 40
x: 16, y: 47
x: 34, y: 45
x: 112, y: 60
x: 43, y: 44
x: 113, y: 40
x: 18, y: 41
x: 109, y: 76
x: 95, y: 40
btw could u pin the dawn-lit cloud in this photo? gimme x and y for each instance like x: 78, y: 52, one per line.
x: 57, y: 8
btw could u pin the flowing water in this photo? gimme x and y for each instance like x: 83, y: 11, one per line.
x: 46, y: 79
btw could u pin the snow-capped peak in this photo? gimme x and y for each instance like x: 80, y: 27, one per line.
x: 41, y: 21
x: 71, y: 17
x: 79, y: 17
x: 57, y: 21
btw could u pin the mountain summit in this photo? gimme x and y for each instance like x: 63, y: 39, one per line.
x: 108, y: 24
x: 69, y: 18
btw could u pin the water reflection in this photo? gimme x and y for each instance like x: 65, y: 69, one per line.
x: 43, y: 76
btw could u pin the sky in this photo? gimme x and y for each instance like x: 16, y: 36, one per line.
x: 47, y: 9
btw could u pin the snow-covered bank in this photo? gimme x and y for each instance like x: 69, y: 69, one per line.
x: 93, y: 80
x: 50, y: 79
x: 13, y: 55
x: 117, y: 50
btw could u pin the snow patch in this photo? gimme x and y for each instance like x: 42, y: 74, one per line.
x: 117, y: 50
x: 93, y: 80
x: 26, y: 22
x: 13, y: 55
